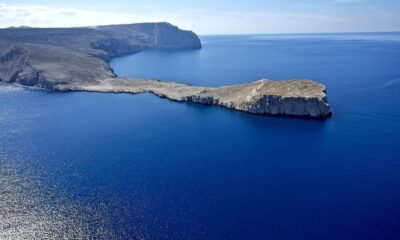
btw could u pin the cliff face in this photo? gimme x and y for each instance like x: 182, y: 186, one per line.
x: 49, y: 66
x: 153, y: 35
x: 290, y: 97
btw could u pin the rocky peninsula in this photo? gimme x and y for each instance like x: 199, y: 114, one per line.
x: 76, y: 59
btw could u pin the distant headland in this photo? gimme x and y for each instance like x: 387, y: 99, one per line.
x: 76, y: 59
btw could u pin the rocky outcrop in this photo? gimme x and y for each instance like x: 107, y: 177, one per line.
x: 290, y: 97
x: 304, y: 98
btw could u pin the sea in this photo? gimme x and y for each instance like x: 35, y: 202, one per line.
x: 83, y: 165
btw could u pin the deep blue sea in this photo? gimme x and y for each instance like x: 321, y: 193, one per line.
x: 121, y: 166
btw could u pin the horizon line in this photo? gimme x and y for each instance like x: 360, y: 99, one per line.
x: 294, y: 33
x: 210, y: 34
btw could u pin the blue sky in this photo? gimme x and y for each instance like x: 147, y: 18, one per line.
x: 211, y: 16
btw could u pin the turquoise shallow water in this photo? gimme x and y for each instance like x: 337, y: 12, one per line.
x: 107, y: 166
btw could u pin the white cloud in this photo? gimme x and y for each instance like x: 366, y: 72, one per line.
x: 201, y: 21
x: 42, y: 16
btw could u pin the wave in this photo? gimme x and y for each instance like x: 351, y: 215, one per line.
x: 390, y: 83
x: 8, y: 88
x: 383, y: 86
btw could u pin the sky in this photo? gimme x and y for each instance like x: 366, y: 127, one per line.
x: 211, y: 16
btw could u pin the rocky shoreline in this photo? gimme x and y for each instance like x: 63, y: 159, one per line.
x: 75, y: 59
x: 302, y: 98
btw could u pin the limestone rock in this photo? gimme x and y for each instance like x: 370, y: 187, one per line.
x: 303, y: 98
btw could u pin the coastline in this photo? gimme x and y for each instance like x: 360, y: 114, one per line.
x: 82, y: 64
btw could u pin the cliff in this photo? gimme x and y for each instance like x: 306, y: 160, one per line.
x: 153, y: 35
x: 75, y: 59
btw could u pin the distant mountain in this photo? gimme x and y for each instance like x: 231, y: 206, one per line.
x: 19, y: 27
